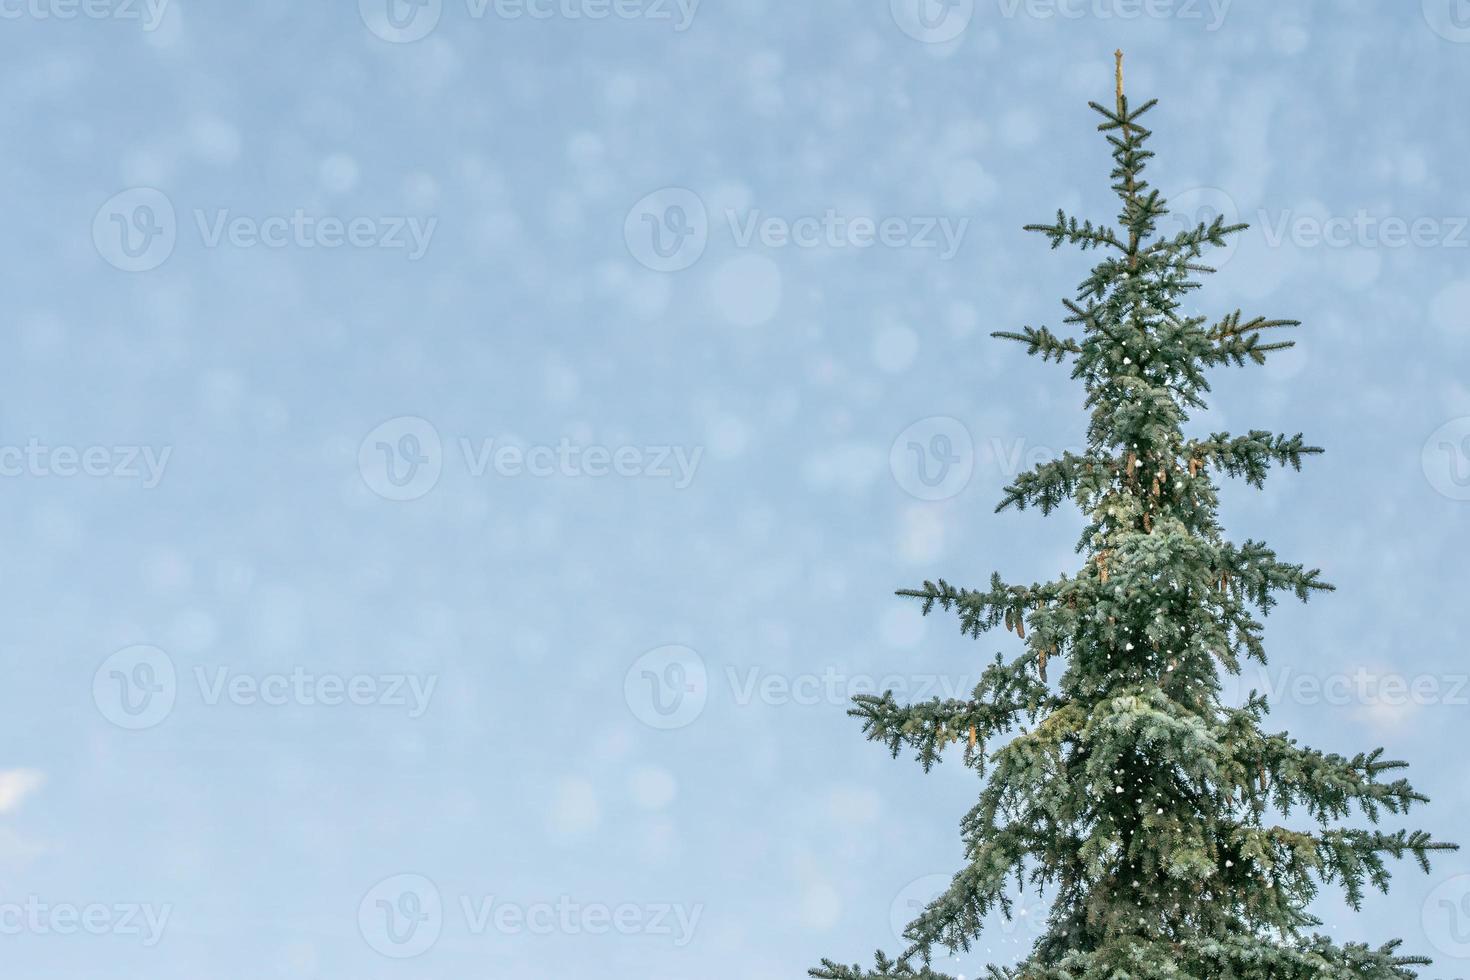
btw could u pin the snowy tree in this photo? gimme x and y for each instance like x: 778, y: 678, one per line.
x: 1175, y: 836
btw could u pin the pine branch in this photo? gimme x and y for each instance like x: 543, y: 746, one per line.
x: 929, y: 726
x: 1084, y: 235
x: 956, y: 917
x: 1050, y: 484
x: 1117, y: 120
x: 1250, y: 456
x: 1191, y: 242
x: 981, y: 611
x: 1042, y: 341
x: 1233, y: 342
x: 1005, y: 691
x: 1251, y: 570
x: 885, y: 969
x: 1354, y: 857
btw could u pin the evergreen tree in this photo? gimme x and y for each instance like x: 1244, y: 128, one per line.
x: 1130, y: 792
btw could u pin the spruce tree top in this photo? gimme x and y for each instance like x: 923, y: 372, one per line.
x: 1163, y: 825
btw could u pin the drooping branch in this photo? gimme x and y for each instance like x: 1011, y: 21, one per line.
x: 1051, y: 484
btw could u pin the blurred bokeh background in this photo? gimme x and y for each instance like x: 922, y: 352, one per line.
x: 458, y: 454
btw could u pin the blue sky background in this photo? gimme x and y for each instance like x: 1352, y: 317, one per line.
x: 629, y: 510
